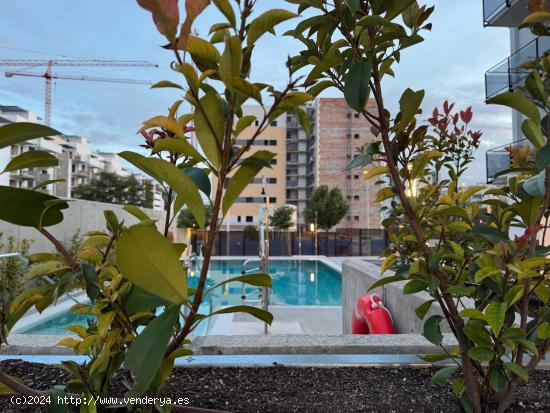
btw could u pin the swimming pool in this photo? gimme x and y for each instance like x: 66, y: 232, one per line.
x: 301, y: 282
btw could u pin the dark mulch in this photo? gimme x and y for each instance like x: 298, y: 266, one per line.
x: 284, y: 389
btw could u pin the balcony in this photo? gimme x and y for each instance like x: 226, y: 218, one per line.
x: 504, y: 13
x: 498, y: 160
x: 508, y: 74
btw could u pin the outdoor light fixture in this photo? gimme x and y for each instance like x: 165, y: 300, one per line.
x: 312, y: 227
x: 312, y: 277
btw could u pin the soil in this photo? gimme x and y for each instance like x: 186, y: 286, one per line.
x: 282, y: 389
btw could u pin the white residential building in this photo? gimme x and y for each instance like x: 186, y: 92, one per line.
x: 508, y: 74
x: 79, y: 163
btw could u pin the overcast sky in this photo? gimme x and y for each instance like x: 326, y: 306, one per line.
x: 450, y: 64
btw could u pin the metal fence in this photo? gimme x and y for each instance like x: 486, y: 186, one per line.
x: 356, y: 242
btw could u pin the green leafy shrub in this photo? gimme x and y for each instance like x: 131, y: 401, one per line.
x: 141, y: 309
x: 492, y: 287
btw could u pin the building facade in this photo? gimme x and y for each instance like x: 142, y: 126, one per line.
x: 79, y: 163
x: 305, y: 161
x: 508, y: 74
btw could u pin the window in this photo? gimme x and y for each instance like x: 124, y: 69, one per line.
x: 348, y: 177
x: 256, y: 123
x: 249, y: 219
x: 356, y: 197
x: 356, y: 116
x: 274, y: 123
x: 14, y: 150
x: 44, y: 171
x: 356, y: 136
x: 274, y: 162
x: 356, y: 217
x: 355, y: 176
x: 238, y: 218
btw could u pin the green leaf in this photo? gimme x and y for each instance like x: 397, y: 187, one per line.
x: 225, y: 7
x: 497, y: 379
x: 136, y: 212
x: 535, y: 186
x: 166, y: 83
x: 266, y: 22
x: 147, y: 351
x: 258, y: 313
x: 232, y: 58
x: 423, y: 309
x: 513, y: 295
x: 257, y: 280
x: 543, y: 157
x: 512, y: 335
x: 14, y: 133
x: 386, y: 280
x: 432, y: 330
x: 200, y: 178
x: 56, y: 396
x: 148, y: 260
x: 244, y: 123
x: 27, y: 208
x: 434, y: 358
x: 356, y: 84
x: 138, y: 300
x: 202, y: 51
x: 177, y: 145
x: 31, y: 159
x: 441, y: 377
x: 533, y: 132
x: 165, y: 172
x: 475, y: 331
x: 414, y: 286
x: 495, y: 314
x: 543, y: 332
x: 481, y: 353
x: 210, y: 125
x: 517, y: 370
x: 472, y: 313
x: 92, y: 281
x: 353, y: 5
x: 410, y: 104
x: 248, y: 169
x: 45, y: 183
x: 519, y: 103
x: 242, y: 86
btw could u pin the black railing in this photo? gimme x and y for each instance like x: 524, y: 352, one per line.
x: 508, y: 74
x: 492, y: 7
x: 356, y: 242
x: 498, y: 159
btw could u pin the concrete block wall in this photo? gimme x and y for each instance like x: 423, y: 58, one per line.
x: 357, y: 277
x: 81, y: 215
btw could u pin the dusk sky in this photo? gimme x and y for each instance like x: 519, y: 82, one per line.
x: 450, y: 64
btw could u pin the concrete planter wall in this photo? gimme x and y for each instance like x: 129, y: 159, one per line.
x: 357, y: 277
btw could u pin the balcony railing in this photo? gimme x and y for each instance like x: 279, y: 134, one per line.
x: 504, y: 13
x: 508, y: 74
x: 498, y: 159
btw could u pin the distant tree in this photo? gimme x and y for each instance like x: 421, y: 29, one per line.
x: 281, y: 219
x: 114, y: 189
x: 251, y: 232
x: 327, y: 207
x: 187, y: 220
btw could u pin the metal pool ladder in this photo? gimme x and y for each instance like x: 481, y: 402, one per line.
x: 263, y: 292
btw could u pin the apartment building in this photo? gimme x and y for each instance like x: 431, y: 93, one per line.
x: 338, y: 132
x: 79, y: 163
x: 305, y: 161
x: 508, y: 74
x: 245, y: 210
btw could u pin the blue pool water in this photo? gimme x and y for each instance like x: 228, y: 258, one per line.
x: 295, y: 282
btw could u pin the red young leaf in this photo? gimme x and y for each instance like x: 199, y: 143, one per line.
x: 165, y: 15
x: 192, y: 9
